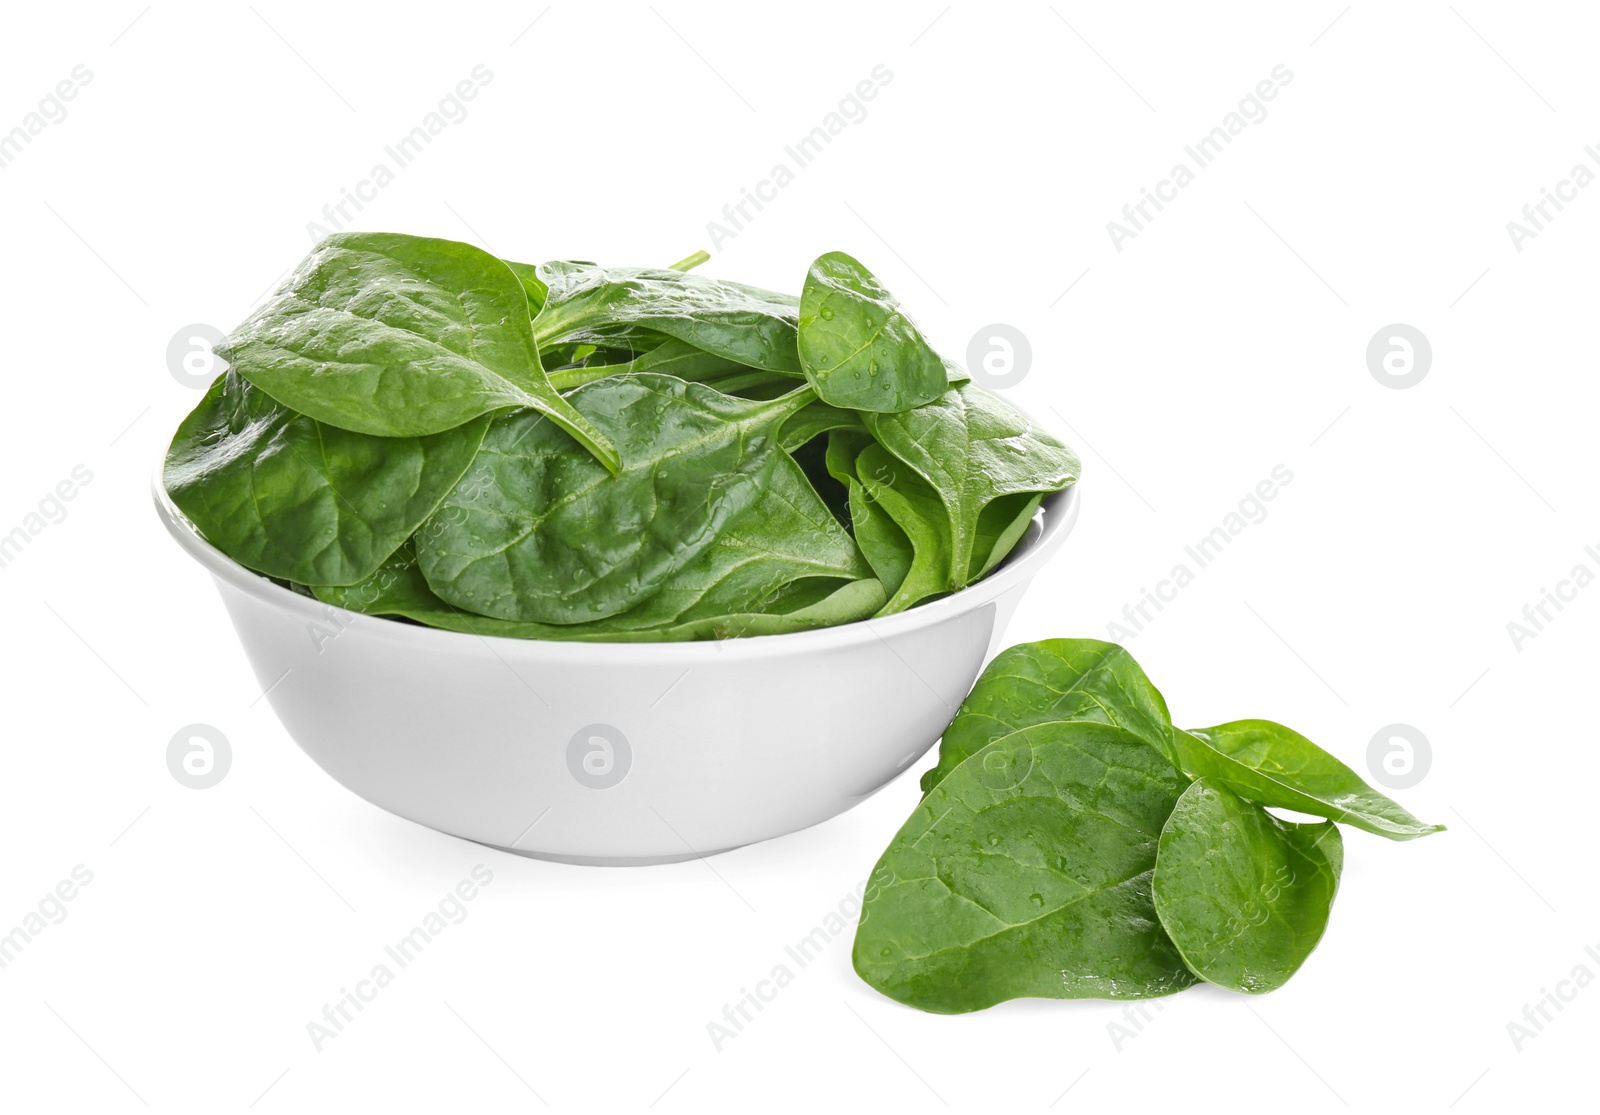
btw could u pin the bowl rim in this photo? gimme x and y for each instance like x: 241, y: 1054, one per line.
x: 1058, y: 510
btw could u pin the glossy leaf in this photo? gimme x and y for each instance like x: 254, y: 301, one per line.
x: 672, y: 357
x: 528, y: 275
x: 537, y: 531
x: 913, y: 506
x: 1054, y: 681
x: 1243, y: 895
x: 884, y: 544
x: 857, y: 347
x: 804, y: 607
x: 401, y: 336
x: 974, y: 448
x: 1273, y: 765
x: 399, y: 589
x: 788, y: 535
x: 1027, y: 872
x: 741, y: 323
x: 815, y: 419
x: 1000, y: 527
x: 292, y: 498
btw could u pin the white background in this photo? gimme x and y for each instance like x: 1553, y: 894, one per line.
x: 1228, y: 337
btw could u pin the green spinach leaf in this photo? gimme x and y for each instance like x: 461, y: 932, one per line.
x: 974, y: 448
x: 1243, y: 895
x: 672, y: 357
x: 1027, y: 872
x: 787, y: 536
x: 815, y: 419
x: 538, y: 532
x: 857, y: 346
x: 1001, y: 526
x: 886, y: 546
x: 295, y: 499
x: 401, y: 336
x: 745, y: 324
x: 912, y: 505
x: 528, y: 275
x: 1273, y: 765
x: 399, y: 589
x: 1054, y: 681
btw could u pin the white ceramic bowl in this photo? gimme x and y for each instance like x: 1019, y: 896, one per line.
x: 618, y: 753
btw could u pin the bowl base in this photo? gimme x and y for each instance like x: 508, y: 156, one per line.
x: 607, y: 861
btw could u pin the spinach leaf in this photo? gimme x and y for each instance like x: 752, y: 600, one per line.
x: 1054, y: 681
x: 1001, y: 526
x: 745, y: 324
x: 399, y: 589
x: 1273, y: 765
x: 1243, y: 895
x: 401, y: 336
x: 396, y: 588
x: 887, y: 549
x: 537, y: 531
x: 857, y: 347
x: 911, y: 503
x: 681, y: 359
x: 913, y: 506
x: 974, y: 449
x: 296, y: 499
x: 787, y: 536
x: 1027, y: 872
x: 802, y: 607
x: 815, y: 419
x: 528, y: 275
x: 672, y: 357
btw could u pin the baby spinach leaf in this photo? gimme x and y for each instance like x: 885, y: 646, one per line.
x: 401, y: 336
x: 1273, y: 765
x: 528, y: 275
x: 857, y: 347
x: 741, y: 323
x: 1001, y: 526
x: 804, y: 606
x: 815, y: 419
x: 1243, y: 895
x: 672, y: 357
x: 788, y: 535
x: 914, y: 507
x: 1027, y: 872
x: 395, y: 588
x: 974, y: 448
x: 681, y: 359
x: 1054, y: 681
x: 399, y: 589
x: 887, y: 549
x: 752, y: 383
x: 537, y: 531
x: 295, y: 499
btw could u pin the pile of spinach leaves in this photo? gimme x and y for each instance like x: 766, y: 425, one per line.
x: 1072, y: 843
x: 414, y: 428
